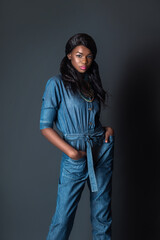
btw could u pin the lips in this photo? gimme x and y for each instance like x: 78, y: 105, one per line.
x: 83, y: 67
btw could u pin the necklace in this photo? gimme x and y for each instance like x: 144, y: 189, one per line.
x: 86, y: 91
x: 88, y: 97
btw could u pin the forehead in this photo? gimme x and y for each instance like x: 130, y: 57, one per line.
x: 82, y: 49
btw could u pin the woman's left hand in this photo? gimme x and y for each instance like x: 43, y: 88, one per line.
x: 109, y: 132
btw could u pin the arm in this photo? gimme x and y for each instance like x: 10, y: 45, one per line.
x: 53, y: 137
x: 50, y: 102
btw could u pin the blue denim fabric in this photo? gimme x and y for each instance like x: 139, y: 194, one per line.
x: 79, y: 123
x: 70, y: 112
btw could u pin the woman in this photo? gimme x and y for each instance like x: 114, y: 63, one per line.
x: 73, y: 101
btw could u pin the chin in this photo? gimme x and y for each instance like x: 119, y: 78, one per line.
x: 82, y: 71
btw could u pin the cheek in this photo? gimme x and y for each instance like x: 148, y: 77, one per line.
x: 75, y: 62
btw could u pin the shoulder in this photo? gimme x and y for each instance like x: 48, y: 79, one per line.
x: 55, y: 82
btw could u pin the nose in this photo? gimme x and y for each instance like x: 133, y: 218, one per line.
x: 84, y: 60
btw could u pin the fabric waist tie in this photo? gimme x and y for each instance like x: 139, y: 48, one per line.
x: 89, y: 137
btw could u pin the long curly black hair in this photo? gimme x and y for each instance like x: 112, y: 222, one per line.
x: 72, y: 78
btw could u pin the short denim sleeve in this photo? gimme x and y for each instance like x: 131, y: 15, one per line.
x: 50, y: 104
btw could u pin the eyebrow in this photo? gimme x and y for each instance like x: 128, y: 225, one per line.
x: 82, y: 53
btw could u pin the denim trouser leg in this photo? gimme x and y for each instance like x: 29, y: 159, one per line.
x: 71, y: 184
x: 73, y: 176
x: 100, y: 201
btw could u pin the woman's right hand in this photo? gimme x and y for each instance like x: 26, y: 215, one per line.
x: 57, y: 141
x: 78, y: 154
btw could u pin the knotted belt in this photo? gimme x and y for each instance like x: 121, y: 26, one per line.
x: 89, y: 138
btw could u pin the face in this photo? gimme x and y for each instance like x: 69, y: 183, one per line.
x: 81, y: 58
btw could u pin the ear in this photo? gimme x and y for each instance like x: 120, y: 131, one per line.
x: 69, y: 56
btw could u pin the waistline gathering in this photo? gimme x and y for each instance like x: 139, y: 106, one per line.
x: 89, y: 137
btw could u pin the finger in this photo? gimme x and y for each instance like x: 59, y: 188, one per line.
x: 85, y: 154
x: 106, y: 138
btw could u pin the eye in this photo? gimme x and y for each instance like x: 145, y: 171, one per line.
x: 90, y: 56
x: 79, y: 55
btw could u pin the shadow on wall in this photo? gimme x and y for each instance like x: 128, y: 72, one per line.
x: 138, y: 137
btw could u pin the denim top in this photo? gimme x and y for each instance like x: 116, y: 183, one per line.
x: 74, y: 117
x: 70, y: 112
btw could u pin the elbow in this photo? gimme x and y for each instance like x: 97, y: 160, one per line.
x: 45, y: 130
x: 42, y: 131
x: 45, y: 125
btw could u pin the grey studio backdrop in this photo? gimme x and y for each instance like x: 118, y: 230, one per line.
x: 33, y: 36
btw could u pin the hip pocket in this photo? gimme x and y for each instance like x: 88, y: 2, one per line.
x: 74, y: 169
x: 105, y: 151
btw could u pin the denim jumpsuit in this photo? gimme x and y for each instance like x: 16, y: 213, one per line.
x: 78, y: 121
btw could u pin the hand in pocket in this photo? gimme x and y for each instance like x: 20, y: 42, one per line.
x: 79, y: 155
